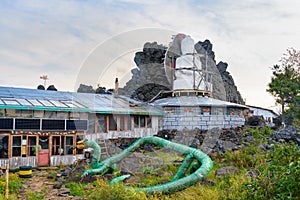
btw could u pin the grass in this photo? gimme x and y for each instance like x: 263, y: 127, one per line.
x: 277, y: 170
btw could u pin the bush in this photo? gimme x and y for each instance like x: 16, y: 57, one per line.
x: 14, y: 184
x: 279, y: 177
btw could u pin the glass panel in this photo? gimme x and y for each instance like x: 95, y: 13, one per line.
x: 16, y: 146
x: 35, y: 102
x: 112, y: 123
x: 136, y: 121
x: 32, y: 151
x: 56, y: 149
x: 46, y: 103
x: 43, y: 142
x: 129, y: 123
x: 24, y: 102
x: 79, y: 138
x: 122, y: 122
x: 142, y: 122
x: 17, y: 140
x: 3, y: 146
x: 10, y: 102
x: 101, y: 124
x: 149, y: 122
x: 69, y: 144
x: 91, y: 125
x: 58, y: 104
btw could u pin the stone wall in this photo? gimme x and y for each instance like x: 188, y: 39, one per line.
x: 180, y: 119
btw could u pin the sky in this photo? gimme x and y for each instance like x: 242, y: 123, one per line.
x: 93, y: 42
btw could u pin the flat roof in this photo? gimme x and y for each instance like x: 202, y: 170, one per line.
x: 48, y: 100
x: 193, y: 101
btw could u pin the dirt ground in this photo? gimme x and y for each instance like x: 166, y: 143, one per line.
x: 42, y: 182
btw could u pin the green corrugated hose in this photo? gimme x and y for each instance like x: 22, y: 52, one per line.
x: 179, y: 182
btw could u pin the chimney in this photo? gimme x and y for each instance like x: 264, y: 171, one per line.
x: 116, y: 91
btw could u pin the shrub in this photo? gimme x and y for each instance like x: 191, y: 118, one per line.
x: 280, y: 176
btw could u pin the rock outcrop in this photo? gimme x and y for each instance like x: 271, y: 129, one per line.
x: 149, y: 77
x: 232, y: 94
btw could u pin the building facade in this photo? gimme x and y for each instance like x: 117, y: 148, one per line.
x: 41, y: 128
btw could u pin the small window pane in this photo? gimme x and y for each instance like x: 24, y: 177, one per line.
x: 122, y: 122
x: 101, y: 124
x: 35, y: 102
x: 24, y: 102
x: 149, y: 122
x: 142, y: 122
x: 10, y: 102
x: 112, y: 123
x: 136, y: 121
x: 58, y: 104
x: 46, y: 103
x: 3, y: 146
x: 16, y: 145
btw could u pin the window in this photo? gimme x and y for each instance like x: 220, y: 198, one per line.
x: 136, y: 121
x: 149, y: 122
x: 31, y: 146
x: 16, y: 146
x: 91, y: 123
x: 102, y: 125
x: 129, y: 123
x: 69, y: 145
x: 56, y: 146
x: 140, y: 121
x: 62, y: 145
x: 112, y: 122
x: 4, y: 146
x: 79, y: 138
x: 122, y: 123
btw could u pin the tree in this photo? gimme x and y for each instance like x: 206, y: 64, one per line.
x: 285, y: 83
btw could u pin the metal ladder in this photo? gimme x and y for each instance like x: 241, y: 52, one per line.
x: 104, y: 150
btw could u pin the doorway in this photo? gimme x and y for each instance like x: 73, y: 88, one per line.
x: 43, y: 151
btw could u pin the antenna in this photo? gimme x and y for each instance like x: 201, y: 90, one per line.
x: 45, y: 78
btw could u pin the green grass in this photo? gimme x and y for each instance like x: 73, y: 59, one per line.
x: 278, y: 171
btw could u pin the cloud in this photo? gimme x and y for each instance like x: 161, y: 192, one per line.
x: 55, y: 37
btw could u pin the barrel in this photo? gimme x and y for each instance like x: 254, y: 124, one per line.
x: 25, y: 171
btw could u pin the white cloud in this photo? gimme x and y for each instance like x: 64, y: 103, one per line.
x: 55, y: 37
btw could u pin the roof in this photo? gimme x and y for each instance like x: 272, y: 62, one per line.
x: 263, y: 111
x: 194, y: 101
x: 33, y: 99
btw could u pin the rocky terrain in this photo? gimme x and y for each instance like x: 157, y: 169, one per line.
x: 148, y: 78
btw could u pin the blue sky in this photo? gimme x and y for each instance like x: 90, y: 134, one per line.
x: 60, y: 37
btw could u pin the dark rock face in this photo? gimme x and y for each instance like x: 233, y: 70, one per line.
x: 287, y: 134
x: 85, y: 89
x: 149, y: 77
x: 149, y: 74
x: 232, y: 94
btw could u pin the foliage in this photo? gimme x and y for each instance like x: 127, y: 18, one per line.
x: 102, y: 190
x: 285, y: 83
x: 280, y: 176
x: 75, y: 189
x: 35, y: 195
x: 14, y: 184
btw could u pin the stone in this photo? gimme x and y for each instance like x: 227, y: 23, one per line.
x: 57, y: 185
x: 226, y: 171
x: 150, y: 77
x: 251, y: 174
x: 64, y: 192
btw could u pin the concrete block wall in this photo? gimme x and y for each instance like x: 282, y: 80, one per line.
x: 181, y: 118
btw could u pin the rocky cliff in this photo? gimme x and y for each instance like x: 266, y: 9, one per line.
x: 148, y: 78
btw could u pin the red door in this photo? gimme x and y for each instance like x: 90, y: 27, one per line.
x: 43, y: 153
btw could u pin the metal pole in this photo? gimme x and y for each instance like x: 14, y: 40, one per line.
x: 7, y: 177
